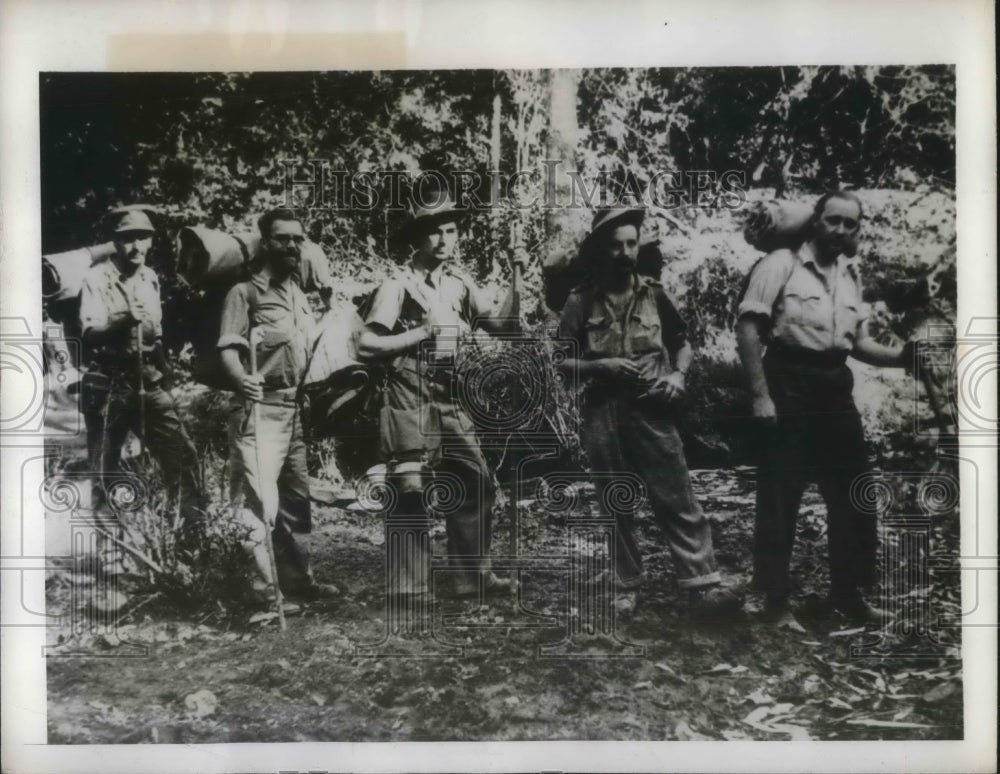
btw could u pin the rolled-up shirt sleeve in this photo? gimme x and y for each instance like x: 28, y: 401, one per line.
x: 767, y: 279
x: 93, y: 313
x: 234, y: 327
x: 386, y: 306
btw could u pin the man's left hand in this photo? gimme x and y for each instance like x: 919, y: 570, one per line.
x: 671, y: 387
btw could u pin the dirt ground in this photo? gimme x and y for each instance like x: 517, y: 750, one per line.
x: 170, y: 675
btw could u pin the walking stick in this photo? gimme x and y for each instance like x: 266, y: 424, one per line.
x: 515, y: 310
x: 256, y: 334
x: 142, y: 388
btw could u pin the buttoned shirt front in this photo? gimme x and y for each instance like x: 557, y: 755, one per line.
x: 638, y: 332
x: 419, y: 406
x: 107, y: 295
x: 282, y: 313
x: 403, y: 301
x: 808, y: 308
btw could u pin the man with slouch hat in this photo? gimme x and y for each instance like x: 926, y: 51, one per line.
x: 416, y: 325
x: 633, y: 356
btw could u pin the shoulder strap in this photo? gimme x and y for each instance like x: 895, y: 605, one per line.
x: 253, y: 300
x: 586, y: 299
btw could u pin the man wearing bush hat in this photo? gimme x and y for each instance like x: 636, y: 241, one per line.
x: 632, y: 358
x: 805, y: 305
x: 416, y: 325
x: 124, y: 389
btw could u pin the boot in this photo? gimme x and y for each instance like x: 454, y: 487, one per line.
x: 778, y: 614
x: 713, y: 602
x: 857, y: 611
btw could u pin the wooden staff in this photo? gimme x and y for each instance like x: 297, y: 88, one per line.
x: 142, y: 387
x: 515, y: 310
x: 256, y: 334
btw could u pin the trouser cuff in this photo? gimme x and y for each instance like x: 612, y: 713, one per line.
x: 712, y: 579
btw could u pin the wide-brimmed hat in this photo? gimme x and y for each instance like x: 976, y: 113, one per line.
x: 426, y: 213
x: 607, y: 219
x: 133, y: 218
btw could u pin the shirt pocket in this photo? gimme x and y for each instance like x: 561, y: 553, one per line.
x: 804, y: 304
x: 644, y: 332
x: 602, y: 335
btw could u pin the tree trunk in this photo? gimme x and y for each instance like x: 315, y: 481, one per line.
x: 563, y: 137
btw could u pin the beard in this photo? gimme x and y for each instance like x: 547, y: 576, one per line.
x: 284, y: 262
x: 844, y: 244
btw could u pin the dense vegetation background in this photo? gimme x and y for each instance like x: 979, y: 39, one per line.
x: 214, y: 149
x: 211, y: 149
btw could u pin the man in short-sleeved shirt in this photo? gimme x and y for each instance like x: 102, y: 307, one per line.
x: 270, y: 480
x: 632, y: 355
x: 416, y: 324
x: 119, y: 314
x: 806, y: 306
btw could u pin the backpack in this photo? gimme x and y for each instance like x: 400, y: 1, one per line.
x: 770, y: 226
x: 342, y: 397
x: 206, y: 358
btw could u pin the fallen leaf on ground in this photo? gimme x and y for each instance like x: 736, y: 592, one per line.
x: 887, y: 723
x: 940, y: 692
x: 757, y: 715
x: 684, y: 733
x: 903, y: 713
x: 111, y: 640
x: 760, y: 696
x: 756, y: 720
x: 795, y: 733
x: 847, y: 632
x: 667, y: 670
x: 726, y: 669
x: 201, y: 703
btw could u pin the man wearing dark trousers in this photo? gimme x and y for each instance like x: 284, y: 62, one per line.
x: 125, y: 384
x: 805, y: 306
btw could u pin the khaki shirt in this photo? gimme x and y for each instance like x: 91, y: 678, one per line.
x: 641, y: 333
x: 806, y: 310
x: 419, y: 409
x: 106, y: 295
x: 401, y: 304
x: 282, y: 312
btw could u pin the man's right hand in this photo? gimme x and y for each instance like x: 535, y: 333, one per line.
x: 620, y: 368
x: 252, y: 387
x: 763, y: 408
